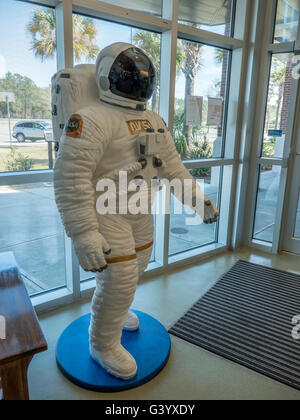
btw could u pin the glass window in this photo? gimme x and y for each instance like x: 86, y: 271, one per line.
x: 30, y: 227
x: 278, y: 105
x: 27, y: 63
x: 267, y: 201
x: 210, y: 15
x: 297, y: 226
x: 102, y: 33
x: 287, y: 18
x: 152, y: 7
x: 200, y: 102
x: 187, y: 231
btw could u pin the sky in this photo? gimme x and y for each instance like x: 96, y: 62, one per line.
x: 16, y: 55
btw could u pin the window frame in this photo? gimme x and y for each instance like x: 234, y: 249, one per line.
x: 234, y: 169
x: 256, y: 138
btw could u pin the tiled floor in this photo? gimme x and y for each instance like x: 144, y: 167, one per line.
x: 191, y: 373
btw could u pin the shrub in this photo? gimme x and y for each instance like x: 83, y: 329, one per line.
x: 181, y: 147
x: 269, y: 149
x: 200, y: 150
x: 16, y: 161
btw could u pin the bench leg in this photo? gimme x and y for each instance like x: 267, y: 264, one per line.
x: 15, y: 381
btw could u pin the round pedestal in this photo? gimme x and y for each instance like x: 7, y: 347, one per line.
x: 150, y: 346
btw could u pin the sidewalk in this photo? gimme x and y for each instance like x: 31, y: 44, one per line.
x: 31, y: 228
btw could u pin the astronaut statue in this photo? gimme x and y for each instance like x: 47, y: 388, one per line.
x: 113, y: 135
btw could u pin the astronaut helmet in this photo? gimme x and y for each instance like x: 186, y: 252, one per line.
x: 125, y: 75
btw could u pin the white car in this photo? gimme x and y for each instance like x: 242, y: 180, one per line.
x: 32, y: 130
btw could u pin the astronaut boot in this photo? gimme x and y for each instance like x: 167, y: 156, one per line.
x: 116, y: 361
x: 132, y: 322
x: 110, y: 308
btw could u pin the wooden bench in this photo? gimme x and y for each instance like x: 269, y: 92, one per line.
x: 21, y: 329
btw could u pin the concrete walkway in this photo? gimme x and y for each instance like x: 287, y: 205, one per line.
x: 30, y: 227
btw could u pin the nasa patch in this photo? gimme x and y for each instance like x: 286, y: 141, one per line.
x: 74, y: 126
x: 138, y: 126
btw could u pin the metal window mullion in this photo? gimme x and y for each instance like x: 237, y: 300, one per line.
x: 279, y: 210
x: 275, y: 162
x: 28, y: 177
x: 274, y: 6
x: 46, y: 3
x: 167, y: 98
x: 72, y: 269
x: 65, y: 59
x: 190, y: 33
x: 64, y: 35
x: 285, y: 47
x: 122, y: 15
x: 238, y: 94
x: 236, y: 87
x: 207, y: 163
x: 261, y: 86
x: 272, y: 161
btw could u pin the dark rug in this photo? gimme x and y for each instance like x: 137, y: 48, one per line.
x: 247, y: 317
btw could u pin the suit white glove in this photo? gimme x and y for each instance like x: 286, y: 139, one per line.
x: 90, y: 248
x: 211, y: 213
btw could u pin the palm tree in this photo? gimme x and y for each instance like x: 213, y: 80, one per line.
x: 150, y: 43
x: 188, y: 61
x: 190, y: 66
x: 42, y: 29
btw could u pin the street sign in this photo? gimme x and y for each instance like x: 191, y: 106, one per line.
x: 7, y: 96
x: 275, y: 133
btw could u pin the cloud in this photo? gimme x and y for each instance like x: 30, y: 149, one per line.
x: 2, y: 66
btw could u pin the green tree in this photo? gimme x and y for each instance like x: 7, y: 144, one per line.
x: 188, y: 61
x: 42, y: 29
x: 277, y: 82
x: 30, y: 100
x: 191, y: 64
x: 150, y: 43
x: 178, y: 131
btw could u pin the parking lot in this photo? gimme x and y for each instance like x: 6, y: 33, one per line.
x: 37, y: 151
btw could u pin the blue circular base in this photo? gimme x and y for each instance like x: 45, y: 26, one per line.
x: 150, y: 346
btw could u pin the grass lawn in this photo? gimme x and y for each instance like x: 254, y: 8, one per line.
x: 39, y: 154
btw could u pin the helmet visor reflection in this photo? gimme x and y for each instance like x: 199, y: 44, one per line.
x: 132, y: 75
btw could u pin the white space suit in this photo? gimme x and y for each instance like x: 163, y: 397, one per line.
x: 99, y: 141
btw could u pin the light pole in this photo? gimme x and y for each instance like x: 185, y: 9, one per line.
x: 8, y: 115
x: 8, y: 97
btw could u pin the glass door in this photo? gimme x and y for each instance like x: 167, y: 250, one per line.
x: 292, y: 230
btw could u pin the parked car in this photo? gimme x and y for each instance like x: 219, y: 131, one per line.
x: 32, y: 130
